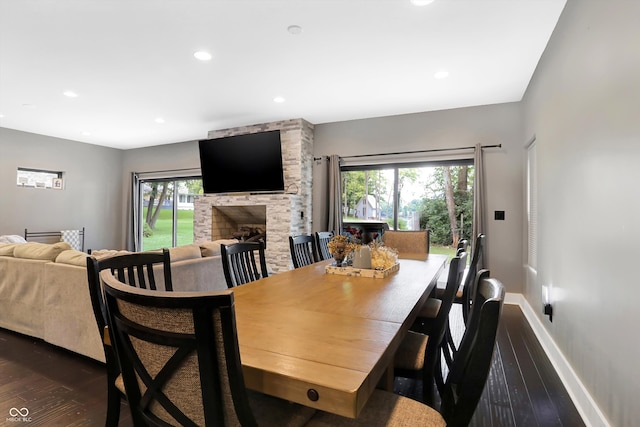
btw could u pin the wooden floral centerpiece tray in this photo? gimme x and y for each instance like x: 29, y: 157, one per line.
x: 362, y: 272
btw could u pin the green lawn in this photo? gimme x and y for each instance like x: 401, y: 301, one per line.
x: 450, y: 251
x: 161, y: 237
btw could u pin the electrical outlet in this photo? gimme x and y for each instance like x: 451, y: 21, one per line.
x: 548, y: 310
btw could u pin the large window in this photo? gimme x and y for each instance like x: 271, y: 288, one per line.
x: 435, y: 196
x: 166, y: 211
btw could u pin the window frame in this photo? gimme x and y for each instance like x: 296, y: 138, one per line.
x: 396, y: 165
x: 172, y: 177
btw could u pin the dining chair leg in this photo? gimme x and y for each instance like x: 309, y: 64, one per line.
x: 113, y: 406
x: 438, y: 378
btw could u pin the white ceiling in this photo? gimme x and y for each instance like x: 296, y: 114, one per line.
x: 131, y: 61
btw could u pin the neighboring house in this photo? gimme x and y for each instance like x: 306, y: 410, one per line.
x: 368, y: 208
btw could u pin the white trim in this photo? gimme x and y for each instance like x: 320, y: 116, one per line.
x: 586, y: 406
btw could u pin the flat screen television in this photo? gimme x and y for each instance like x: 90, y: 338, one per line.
x: 250, y: 163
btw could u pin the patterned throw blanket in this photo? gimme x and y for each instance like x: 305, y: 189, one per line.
x: 73, y: 238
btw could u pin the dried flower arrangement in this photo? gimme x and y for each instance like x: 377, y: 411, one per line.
x: 382, y: 257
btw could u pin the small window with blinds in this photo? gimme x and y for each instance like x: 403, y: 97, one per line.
x: 38, y: 178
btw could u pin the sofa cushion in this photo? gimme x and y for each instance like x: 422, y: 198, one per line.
x: 213, y: 248
x: 6, y: 249
x: 44, y: 251
x: 180, y: 253
x: 72, y: 257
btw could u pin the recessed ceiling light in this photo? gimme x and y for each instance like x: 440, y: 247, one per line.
x: 86, y: 133
x: 278, y: 99
x: 294, y: 29
x: 70, y: 94
x: 1, y: 116
x: 202, y: 55
x: 421, y: 2
x: 159, y: 120
x: 441, y: 74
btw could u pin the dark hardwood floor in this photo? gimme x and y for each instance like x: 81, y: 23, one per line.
x: 523, y: 389
x: 60, y: 388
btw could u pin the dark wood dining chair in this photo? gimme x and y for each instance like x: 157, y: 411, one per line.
x: 239, y: 262
x: 464, y: 297
x: 418, y: 356
x: 322, y: 244
x: 470, y: 369
x: 410, y: 244
x: 463, y: 244
x: 468, y: 288
x: 181, y: 361
x: 464, y: 384
x: 136, y: 269
x: 464, y: 294
x: 303, y: 250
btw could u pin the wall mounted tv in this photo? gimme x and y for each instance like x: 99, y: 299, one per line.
x: 250, y: 163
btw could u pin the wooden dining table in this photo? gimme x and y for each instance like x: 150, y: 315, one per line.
x: 324, y: 340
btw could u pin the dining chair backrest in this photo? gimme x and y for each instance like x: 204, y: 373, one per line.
x: 136, y: 269
x: 468, y: 375
x: 179, y: 355
x: 409, y: 244
x: 303, y: 250
x: 463, y: 244
x: 239, y: 262
x: 468, y: 288
x: 429, y: 354
x: 322, y: 244
x: 454, y: 279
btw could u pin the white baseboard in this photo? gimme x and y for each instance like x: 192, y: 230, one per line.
x: 586, y: 406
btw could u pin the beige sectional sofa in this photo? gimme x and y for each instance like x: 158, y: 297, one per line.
x: 44, y: 291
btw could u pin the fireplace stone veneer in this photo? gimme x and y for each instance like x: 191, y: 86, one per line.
x: 287, y: 214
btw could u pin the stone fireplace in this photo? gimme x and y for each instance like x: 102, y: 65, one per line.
x: 218, y: 216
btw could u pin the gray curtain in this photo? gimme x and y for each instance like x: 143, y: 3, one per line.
x: 334, y: 222
x: 133, y: 235
x: 478, y: 201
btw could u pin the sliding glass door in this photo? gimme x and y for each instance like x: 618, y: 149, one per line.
x: 167, y: 211
x: 435, y: 196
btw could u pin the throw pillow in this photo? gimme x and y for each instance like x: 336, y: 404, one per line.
x: 72, y: 257
x: 44, y: 251
x: 6, y: 249
x: 12, y: 238
x: 213, y: 248
x: 107, y: 253
x: 184, y: 252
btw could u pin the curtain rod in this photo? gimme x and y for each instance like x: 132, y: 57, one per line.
x: 411, y: 152
x: 169, y: 170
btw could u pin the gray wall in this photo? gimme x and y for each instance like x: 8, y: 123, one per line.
x: 583, y: 105
x: 465, y: 127
x: 91, y: 195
